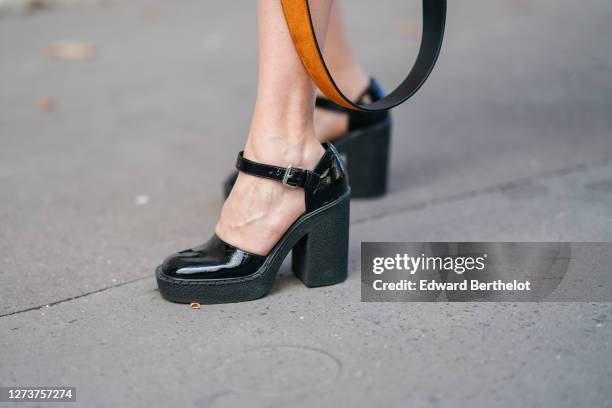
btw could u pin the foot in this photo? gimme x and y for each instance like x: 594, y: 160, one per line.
x: 259, y: 211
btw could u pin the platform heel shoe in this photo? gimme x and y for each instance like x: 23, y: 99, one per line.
x: 364, y: 148
x: 217, y: 272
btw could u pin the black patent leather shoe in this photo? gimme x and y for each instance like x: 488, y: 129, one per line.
x: 217, y: 272
x: 366, y: 143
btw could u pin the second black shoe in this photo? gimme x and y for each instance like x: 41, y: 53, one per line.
x: 217, y: 272
x: 364, y: 147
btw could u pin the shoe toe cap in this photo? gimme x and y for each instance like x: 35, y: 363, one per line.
x: 213, y: 260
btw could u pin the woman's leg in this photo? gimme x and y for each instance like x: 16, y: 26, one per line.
x: 339, y: 57
x: 347, y: 72
x: 259, y: 211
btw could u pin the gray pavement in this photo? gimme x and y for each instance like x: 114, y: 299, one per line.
x: 511, y: 139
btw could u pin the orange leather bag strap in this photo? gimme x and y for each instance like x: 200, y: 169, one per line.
x: 299, y: 21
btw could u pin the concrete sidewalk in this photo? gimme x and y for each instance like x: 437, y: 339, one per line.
x: 510, y: 140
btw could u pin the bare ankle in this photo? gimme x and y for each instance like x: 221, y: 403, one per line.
x: 299, y: 149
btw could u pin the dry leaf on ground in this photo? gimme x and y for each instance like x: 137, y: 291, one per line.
x: 71, y: 50
x: 45, y: 104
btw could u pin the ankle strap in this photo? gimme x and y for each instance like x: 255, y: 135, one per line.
x: 292, y: 177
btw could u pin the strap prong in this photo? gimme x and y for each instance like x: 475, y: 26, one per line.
x: 289, y: 173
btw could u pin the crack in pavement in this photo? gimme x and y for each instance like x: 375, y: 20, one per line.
x: 400, y: 210
x: 57, y: 302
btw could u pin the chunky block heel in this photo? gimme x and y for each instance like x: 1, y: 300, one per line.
x: 217, y: 272
x: 320, y: 258
x: 366, y: 156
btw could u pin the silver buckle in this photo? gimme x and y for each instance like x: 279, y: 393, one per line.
x: 289, y: 173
